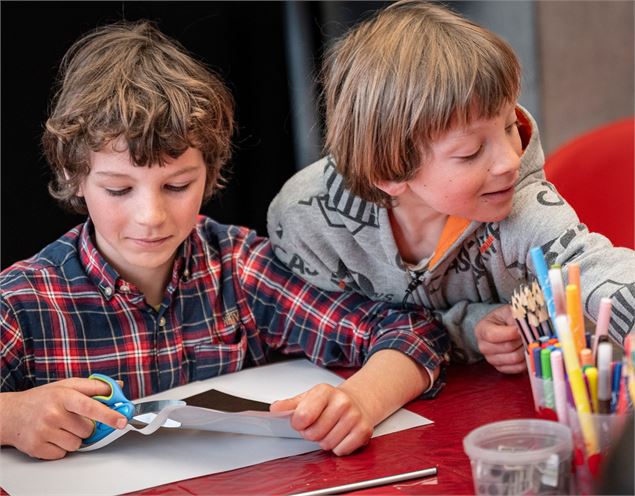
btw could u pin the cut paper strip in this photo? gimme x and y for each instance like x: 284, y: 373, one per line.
x: 250, y: 422
x: 230, y: 414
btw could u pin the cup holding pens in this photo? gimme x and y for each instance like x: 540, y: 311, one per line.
x: 587, y: 462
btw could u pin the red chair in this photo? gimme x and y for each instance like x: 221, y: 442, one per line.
x: 595, y: 173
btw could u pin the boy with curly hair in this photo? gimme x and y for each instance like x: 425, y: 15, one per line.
x: 151, y: 293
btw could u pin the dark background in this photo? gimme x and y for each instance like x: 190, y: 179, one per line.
x: 244, y: 42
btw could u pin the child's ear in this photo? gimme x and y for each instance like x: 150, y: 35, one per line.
x: 79, y: 192
x: 392, y: 188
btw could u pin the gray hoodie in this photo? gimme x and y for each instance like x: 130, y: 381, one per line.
x: 338, y: 241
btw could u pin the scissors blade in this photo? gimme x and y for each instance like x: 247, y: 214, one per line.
x: 155, y: 406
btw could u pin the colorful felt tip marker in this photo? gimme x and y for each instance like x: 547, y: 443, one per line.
x: 602, y: 325
x: 616, y: 385
x: 557, y: 290
x: 591, y: 374
x: 559, y: 386
x: 547, y: 384
x: 605, y: 354
x: 622, y: 402
x: 576, y: 316
x: 586, y: 357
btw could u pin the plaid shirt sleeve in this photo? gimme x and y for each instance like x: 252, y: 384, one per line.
x: 332, y: 328
x: 13, y: 361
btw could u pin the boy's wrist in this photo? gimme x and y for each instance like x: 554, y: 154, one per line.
x: 7, y: 400
x: 387, y: 381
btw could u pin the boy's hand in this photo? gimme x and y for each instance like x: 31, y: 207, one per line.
x: 329, y: 416
x: 499, y: 342
x: 342, y: 418
x: 50, y: 421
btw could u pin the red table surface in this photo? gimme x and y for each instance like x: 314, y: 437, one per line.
x: 474, y: 395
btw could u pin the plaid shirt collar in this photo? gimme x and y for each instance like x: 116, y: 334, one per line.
x: 106, y: 277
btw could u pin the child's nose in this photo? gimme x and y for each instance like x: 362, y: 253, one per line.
x: 508, y: 159
x: 151, y: 210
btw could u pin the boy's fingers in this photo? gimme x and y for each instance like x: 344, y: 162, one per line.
x: 512, y: 369
x: 312, y: 404
x: 65, y: 440
x: 330, y: 431
x: 328, y: 426
x: 500, y: 334
x: 350, y: 443
x: 78, y: 425
x: 286, y: 404
x: 48, y: 451
x: 513, y: 357
x: 88, y: 387
x: 506, y: 314
x: 503, y: 348
x: 93, y: 409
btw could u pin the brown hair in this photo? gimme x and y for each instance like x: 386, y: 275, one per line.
x: 128, y: 80
x: 401, y: 78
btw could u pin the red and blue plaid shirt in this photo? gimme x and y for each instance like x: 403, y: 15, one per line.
x: 229, y: 304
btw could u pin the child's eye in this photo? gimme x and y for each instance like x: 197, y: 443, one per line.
x: 177, y: 189
x: 467, y: 158
x: 511, y: 127
x: 118, y: 192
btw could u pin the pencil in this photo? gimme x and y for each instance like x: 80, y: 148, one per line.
x: 382, y: 481
x: 543, y: 316
x: 518, y: 315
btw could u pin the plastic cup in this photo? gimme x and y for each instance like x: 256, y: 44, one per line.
x: 525, y: 456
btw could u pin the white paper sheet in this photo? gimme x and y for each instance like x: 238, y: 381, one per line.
x: 182, y: 416
x: 136, y: 462
x: 276, y: 424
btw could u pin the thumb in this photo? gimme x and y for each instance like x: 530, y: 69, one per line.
x: 504, y: 315
x: 287, y: 403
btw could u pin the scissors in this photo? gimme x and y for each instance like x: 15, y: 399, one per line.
x: 117, y: 401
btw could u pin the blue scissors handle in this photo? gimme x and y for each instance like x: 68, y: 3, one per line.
x: 115, y: 400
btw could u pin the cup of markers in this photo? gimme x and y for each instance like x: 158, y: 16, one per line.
x: 575, y: 376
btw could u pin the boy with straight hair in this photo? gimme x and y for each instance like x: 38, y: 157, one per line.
x: 154, y: 295
x: 433, y: 190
